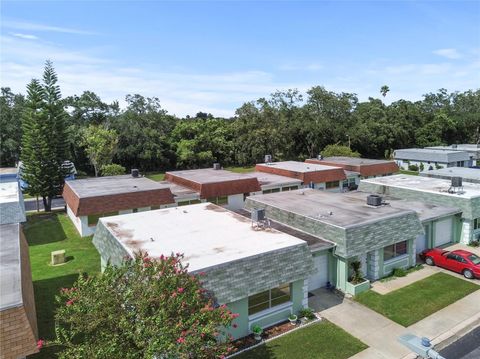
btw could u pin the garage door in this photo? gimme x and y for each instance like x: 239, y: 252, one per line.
x: 319, y: 277
x: 443, y: 232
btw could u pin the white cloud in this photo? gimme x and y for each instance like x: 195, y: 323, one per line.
x: 451, y: 54
x: 25, y: 36
x: 29, y: 26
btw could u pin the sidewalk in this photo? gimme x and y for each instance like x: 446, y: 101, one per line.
x: 380, y: 333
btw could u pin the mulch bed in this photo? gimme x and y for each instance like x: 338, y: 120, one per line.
x: 268, y: 333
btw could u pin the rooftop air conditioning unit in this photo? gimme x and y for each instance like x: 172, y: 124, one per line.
x: 268, y: 158
x: 457, y: 182
x: 374, y: 200
x: 135, y: 172
x: 216, y: 166
x: 258, y: 214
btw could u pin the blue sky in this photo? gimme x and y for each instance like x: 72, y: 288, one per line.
x: 214, y: 56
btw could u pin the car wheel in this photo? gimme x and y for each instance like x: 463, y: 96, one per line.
x: 429, y: 261
x: 467, y: 273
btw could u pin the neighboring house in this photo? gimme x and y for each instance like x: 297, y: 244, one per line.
x: 260, y: 274
x: 472, y: 149
x: 382, y: 237
x: 8, y: 174
x: 89, y: 199
x: 427, y: 159
x: 217, y: 186
x: 18, y: 320
x: 358, y: 168
x: 311, y: 175
x: 435, y: 191
x: 471, y: 175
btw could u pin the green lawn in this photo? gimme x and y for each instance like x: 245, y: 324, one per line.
x: 156, y: 176
x: 46, y: 233
x: 416, y: 301
x: 407, y: 172
x: 322, y: 340
x: 241, y: 169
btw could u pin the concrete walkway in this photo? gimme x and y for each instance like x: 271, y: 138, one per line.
x: 380, y: 333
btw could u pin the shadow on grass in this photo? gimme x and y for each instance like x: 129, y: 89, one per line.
x: 44, y: 228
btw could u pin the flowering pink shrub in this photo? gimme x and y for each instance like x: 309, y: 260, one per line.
x: 147, y: 308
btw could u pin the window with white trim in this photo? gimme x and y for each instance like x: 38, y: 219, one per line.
x: 395, y: 250
x: 269, y: 299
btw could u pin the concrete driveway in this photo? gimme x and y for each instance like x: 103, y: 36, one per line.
x: 456, y: 246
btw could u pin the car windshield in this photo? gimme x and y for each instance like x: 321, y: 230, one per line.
x: 474, y: 258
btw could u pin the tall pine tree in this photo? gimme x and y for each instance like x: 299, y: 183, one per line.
x: 44, y: 141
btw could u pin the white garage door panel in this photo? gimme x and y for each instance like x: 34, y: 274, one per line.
x: 319, y: 277
x: 443, y: 232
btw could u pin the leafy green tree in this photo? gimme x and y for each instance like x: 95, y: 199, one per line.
x: 11, y: 108
x: 339, y: 150
x: 44, y: 140
x: 112, y: 170
x: 147, y: 308
x: 100, y: 145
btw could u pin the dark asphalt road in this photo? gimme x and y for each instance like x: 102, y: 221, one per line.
x: 467, y: 347
x: 31, y: 205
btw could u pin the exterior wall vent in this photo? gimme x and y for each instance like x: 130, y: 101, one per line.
x: 216, y: 166
x: 135, y: 172
x: 374, y: 200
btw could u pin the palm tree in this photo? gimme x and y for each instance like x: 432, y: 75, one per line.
x: 384, y: 89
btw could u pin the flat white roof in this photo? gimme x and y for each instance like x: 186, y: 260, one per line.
x: 9, y: 192
x: 208, y: 235
x: 426, y: 184
x: 464, y: 172
x: 296, y: 166
x: 10, y: 266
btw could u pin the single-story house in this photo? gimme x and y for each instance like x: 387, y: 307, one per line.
x: 382, y: 237
x: 359, y: 167
x: 18, y: 320
x: 261, y: 274
x: 425, y: 158
x: 435, y: 191
x: 89, y: 199
x: 472, y: 149
x: 217, y: 186
x: 311, y: 175
x: 471, y: 175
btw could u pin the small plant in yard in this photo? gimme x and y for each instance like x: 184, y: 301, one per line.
x: 257, y: 331
x: 293, y: 319
x: 399, y: 272
x: 307, y: 313
x: 357, y: 276
x: 147, y: 308
x: 475, y: 243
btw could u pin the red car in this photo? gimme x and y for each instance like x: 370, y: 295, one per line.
x: 459, y: 261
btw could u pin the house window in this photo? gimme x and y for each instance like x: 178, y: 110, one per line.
x: 476, y: 223
x: 154, y: 207
x: 220, y: 200
x: 93, y: 218
x: 268, y: 299
x: 395, y: 250
x: 333, y: 184
x: 273, y: 190
x: 290, y: 188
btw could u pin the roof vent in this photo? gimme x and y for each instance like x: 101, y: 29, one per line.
x: 258, y: 214
x: 374, y: 200
x: 454, y: 146
x: 320, y: 157
x: 457, y: 182
x: 268, y: 158
x: 216, y: 166
x: 135, y: 172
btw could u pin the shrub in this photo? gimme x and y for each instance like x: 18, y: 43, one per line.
x: 422, y: 167
x: 475, y: 243
x: 112, y: 170
x: 307, y: 313
x: 257, y: 329
x: 399, y: 272
x: 357, y: 276
x: 146, y: 308
x: 413, y: 168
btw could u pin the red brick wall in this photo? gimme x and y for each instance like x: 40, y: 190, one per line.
x: 328, y: 175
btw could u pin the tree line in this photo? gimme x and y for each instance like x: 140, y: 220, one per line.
x: 288, y: 125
